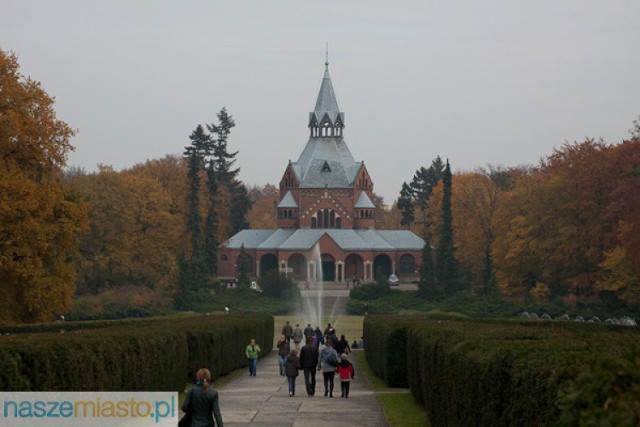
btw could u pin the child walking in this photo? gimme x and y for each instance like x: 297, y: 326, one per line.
x: 346, y: 373
x: 292, y: 367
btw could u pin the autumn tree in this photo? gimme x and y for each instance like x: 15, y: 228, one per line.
x: 133, y: 232
x: 263, y: 212
x: 40, y: 222
x: 474, y: 202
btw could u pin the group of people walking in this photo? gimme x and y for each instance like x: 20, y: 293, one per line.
x: 322, y: 352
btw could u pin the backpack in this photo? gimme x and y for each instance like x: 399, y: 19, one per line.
x: 333, y: 360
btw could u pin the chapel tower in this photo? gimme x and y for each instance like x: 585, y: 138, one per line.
x: 326, y: 188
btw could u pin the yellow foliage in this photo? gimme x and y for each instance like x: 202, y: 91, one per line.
x: 619, y: 276
x: 40, y: 223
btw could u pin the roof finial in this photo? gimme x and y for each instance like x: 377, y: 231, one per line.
x: 326, y: 62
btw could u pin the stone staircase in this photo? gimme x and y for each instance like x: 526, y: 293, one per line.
x: 332, y: 299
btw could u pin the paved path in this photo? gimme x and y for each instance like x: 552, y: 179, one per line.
x: 264, y: 400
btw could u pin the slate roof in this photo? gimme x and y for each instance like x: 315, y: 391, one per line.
x: 288, y: 201
x: 347, y: 239
x: 329, y: 150
x: 335, y: 152
x: 326, y: 104
x: 364, y: 202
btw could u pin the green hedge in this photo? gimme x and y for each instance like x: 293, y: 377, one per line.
x: 386, y: 346
x: 503, y: 373
x: 145, y: 355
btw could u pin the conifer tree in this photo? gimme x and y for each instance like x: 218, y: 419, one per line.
x: 192, y: 270
x: 405, y: 205
x: 224, y: 160
x: 210, y: 250
x: 185, y: 284
x: 240, y: 206
x: 243, y: 269
x: 427, y: 283
x: 446, y: 272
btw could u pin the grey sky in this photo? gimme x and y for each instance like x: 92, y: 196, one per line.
x: 479, y: 82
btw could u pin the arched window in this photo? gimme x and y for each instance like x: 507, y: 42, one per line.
x: 338, y: 222
x: 325, y: 218
x: 313, y: 222
x: 320, y: 218
x: 224, y: 257
x: 407, y: 264
x: 332, y: 219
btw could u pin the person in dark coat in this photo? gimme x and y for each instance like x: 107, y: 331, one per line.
x: 287, y: 331
x: 342, y: 346
x: 292, y: 366
x: 308, y: 331
x: 308, y: 361
x: 283, y: 352
x: 202, y: 402
x: 319, y: 335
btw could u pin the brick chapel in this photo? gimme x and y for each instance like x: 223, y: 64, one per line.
x: 325, y: 215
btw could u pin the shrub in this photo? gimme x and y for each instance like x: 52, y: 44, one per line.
x: 131, y: 355
x: 276, y: 284
x: 499, y: 373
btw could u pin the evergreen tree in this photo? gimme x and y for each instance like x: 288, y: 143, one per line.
x: 183, y: 297
x: 420, y: 189
x: 193, y: 204
x: 240, y: 206
x: 446, y: 271
x: 405, y: 205
x: 427, y: 283
x: 223, y: 159
x: 243, y: 269
x: 195, y: 154
x: 487, y: 271
x: 210, y: 250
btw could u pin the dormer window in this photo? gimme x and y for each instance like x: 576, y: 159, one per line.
x: 326, y: 167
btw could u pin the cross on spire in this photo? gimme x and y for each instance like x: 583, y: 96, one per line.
x: 326, y: 62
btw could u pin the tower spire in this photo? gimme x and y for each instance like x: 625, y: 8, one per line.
x: 326, y: 62
x: 326, y: 120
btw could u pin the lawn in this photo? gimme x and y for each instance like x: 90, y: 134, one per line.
x: 397, y: 403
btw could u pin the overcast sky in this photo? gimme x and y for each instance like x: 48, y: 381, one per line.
x: 478, y: 82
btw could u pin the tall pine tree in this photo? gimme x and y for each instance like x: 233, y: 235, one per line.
x: 240, y: 206
x: 405, y: 205
x: 224, y: 160
x: 427, y: 283
x: 210, y: 250
x: 446, y: 271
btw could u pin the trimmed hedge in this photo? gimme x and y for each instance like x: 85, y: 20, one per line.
x: 503, y: 373
x: 145, y: 355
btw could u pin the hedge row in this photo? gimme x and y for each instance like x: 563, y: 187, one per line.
x: 503, y: 373
x: 147, y: 355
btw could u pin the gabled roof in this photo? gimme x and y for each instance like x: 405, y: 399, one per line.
x: 364, y: 202
x: 288, y: 201
x: 347, y: 239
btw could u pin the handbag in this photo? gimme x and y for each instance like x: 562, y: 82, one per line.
x: 188, y: 415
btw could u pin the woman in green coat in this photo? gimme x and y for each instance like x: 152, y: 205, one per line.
x: 202, y: 405
x: 252, y: 351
